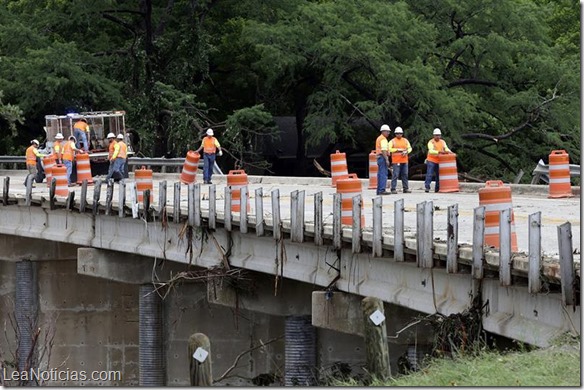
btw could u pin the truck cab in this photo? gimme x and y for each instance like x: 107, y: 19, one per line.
x: 100, y: 124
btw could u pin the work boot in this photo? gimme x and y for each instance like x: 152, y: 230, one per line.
x: 394, y: 192
x: 427, y: 190
x: 407, y: 191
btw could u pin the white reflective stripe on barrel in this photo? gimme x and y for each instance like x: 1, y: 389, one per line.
x: 447, y: 164
x: 334, y: 163
x: 560, y: 180
x: 448, y: 177
x: 559, y: 167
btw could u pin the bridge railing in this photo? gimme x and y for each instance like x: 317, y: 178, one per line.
x: 165, y: 164
x: 424, y: 249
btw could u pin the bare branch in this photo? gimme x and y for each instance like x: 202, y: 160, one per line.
x: 234, y: 365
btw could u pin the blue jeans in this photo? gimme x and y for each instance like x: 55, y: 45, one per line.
x: 208, y: 163
x: 381, y: 174
x: 400, y: 171
x: 81, y: 136
x: 116, y: 166
x: 69, y: 165
x: 431, y: 169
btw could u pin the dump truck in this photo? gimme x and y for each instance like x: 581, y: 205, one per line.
x: 100, y: 124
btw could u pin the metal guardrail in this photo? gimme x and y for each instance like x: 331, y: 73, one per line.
x: 541, y: 172
x: 132, y: 161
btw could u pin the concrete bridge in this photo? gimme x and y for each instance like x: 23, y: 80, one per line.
x: 421, y: 253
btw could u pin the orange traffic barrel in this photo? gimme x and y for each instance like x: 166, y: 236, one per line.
x: 236, y: 180
x: 48, y: 164
x: 338, y: 166
x: 189, y: 170
x: 349, y: 187
x: 83, y: 168
x: 373, y: 169
x: 559, y: 173
x: 448, y: 173
x: 59, y: 172
x: 496, y: 197
x: 143, y: 178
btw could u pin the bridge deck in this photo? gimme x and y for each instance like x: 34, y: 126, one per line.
x: 527, y: 199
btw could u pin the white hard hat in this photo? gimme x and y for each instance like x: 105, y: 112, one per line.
x: 34, y: 141
x: 398, y: 130
x: 385, y: 128
x: 111, y: 135
x: 59, y: 136
x: 437, y: 132
x: 210, y: 132
x: 120, y: 136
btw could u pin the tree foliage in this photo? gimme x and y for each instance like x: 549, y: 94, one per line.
x: 500, y: 78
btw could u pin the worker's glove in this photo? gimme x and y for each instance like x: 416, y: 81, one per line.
x: 220, y: 153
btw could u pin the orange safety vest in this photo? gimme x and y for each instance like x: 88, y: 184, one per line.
x: 398, y: 157
x: 438, y: 146
x: 58, y: 148
x: 68, y: 151
x: 123, y: 153
x: 30, y: 155
x: 210, y: 145
x: 378, y: 144
x: 111, y: 147
x: 81, y: 126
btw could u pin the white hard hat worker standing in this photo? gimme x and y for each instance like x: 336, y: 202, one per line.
x: 382, y: 151
x: 436, y: 146
x: 400, y: 148
x: 32, y: 156
x: 211, y: 148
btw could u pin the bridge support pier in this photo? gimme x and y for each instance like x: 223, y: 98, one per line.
x: 152, y: 360
x: 300, y: 350
x: 26, y: 313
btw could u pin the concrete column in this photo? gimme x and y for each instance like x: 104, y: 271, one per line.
x: 25, y: 312
x: 152, y: 359
x: 300, y: 351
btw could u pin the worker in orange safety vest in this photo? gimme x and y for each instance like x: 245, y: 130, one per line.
x: 436, y: 146
x: 382, y: 151
x: 400, y: 148
x: 211, y: 148
x: 58, y: 148
x: 32, y: 154
x: 69, y: 150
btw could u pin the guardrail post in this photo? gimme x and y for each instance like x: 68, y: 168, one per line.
x: 161, y: 197
x: 134, y: 199
x: 534, y: 281
x: 52, y: 190
x: 276, y: 221
x: 243, y: 210
x: 420, y: 232
x: 318, y: 224
x: 212, y: 207
x: 452, y: 240
x: 28, y: 197
x: 377, y: 243
x: 297, y: 216
x: 109, y: 196
x: 356, y: 231
x: 82, y: 200
x: 425, y: 232
x: 227, y: 208
x: 567, y: 264
x: 505, y: 247
x: 146, y: 204
x: 191, y: 203
x: 176, y: 204
x: 70, y: 202
x: 5, y: 190
x: 122, y: 198
x: 337, y: 225
x: 96, y: 195
x: 478, y: 242
x: 198, y: 213
x: 259, y: 211
x: 398, y: 228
